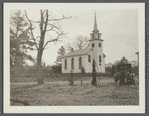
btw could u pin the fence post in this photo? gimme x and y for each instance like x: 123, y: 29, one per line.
x: 93, y: 74
x: 71, y: 78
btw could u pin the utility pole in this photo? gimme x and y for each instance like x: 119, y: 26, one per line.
x: 138, y: 57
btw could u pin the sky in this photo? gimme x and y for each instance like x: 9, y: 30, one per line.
x: 119, y: 28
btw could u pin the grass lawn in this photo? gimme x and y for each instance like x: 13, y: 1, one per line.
x: 61, y: 93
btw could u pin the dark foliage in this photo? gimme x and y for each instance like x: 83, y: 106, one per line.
x: 20, y: 41
x: 61, y: 53
x: 56, y: 69
x: 135, y: 70
x: 82, y: 70
x: 108, y: 70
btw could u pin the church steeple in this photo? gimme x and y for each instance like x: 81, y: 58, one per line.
x: 96, y: 45
x: 95, y: 33
x: 95, y: 24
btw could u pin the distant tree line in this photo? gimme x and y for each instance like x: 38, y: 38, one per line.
x: 32, y: 70
x: 108, y: 68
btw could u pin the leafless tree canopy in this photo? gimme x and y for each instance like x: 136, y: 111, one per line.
x: 47, y: 25
x: 80, y: 42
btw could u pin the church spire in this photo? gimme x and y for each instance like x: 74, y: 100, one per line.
x: 95, y: 24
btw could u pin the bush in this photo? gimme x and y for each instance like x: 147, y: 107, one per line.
x: 108, y: 70
x: 56, y: 69
x: 82, y: 70
x: 135, y: 70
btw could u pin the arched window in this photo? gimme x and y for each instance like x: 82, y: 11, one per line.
x: 80, y: 63
x: 93, y: 36
x: 98, y: 36
x: 89, y: 58
x: 72, y: 63
x: 65, y: 64
x: 99, y: 58
x: 99, y: 44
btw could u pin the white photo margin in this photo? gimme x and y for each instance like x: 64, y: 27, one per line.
x: 73, y: 109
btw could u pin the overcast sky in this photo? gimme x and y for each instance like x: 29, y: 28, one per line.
x: 119, y: 28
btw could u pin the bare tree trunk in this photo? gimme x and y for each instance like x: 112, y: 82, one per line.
x: 39, y: 67
x: 41, y: 43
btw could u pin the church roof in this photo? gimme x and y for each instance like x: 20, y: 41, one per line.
x: 78, y: 52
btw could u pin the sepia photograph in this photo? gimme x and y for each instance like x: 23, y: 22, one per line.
x: 87, y: 57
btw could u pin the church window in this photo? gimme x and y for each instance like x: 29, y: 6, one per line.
x: 80, y: 62
x: 65, y: 64
x: 99, y: 44
x: 93, y: 45
x: 72, y: 63
x: 89, y: 58
x: 99, y: 58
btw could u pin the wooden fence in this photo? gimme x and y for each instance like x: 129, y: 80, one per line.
x: 55, y: 77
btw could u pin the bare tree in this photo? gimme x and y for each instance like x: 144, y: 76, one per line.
x: 46, y: 25
x: 80, y: 42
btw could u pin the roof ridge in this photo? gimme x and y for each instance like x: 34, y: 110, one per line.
x: 78, y: 52
x: 80, y: 49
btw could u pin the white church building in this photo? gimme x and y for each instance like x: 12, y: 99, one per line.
x: 76, y: 59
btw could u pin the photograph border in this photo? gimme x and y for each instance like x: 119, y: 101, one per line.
x: 16, y: 107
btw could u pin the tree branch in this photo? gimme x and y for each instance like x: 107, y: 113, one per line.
x: 60, y: 18
x: 52, y: 40
x: 37, y: 37
x: 41, y: 22
x: 48, y: 42
x: 53, y: 19
x: 50, y: 29
x: 31, y: 27
x: 46, y: 21
x: 53, y: 26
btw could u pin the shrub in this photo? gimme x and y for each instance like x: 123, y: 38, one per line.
x: 56, y: 69
x: 82, y: 70
x: 108, y: 70
x: 135, y: 70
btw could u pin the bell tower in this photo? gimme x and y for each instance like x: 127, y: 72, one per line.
x: 96, y: 43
